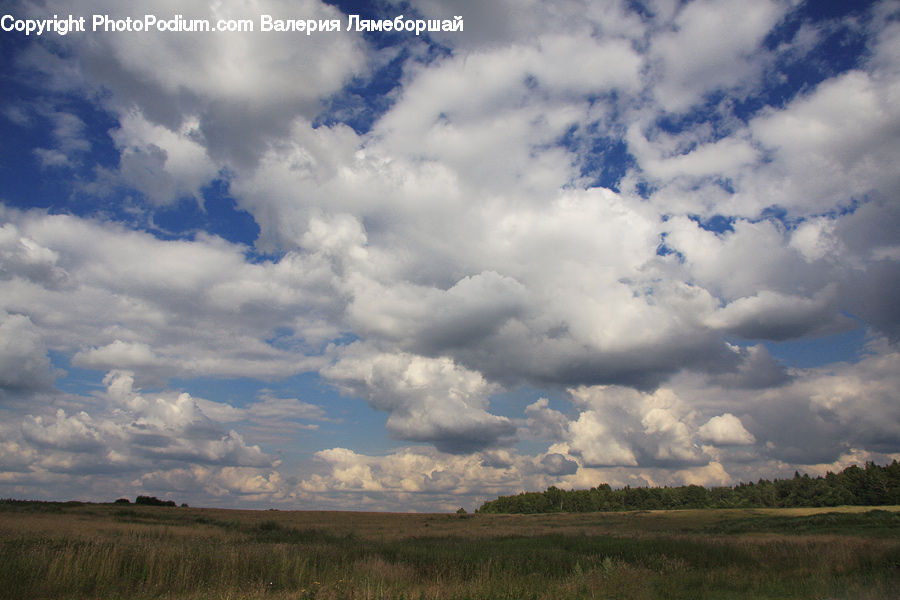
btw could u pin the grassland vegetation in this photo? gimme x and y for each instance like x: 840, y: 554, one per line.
x: 109, y: 551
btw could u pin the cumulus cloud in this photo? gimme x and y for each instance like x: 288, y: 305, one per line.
x: 24, y: 258
x: 461, y: 247
x: 427, y: 399
x: 623, y: 427
x: 774, y: 316
x: 128, y: 439
x: 76, y: 433
x: 412, y: 474
x: 161, y: 163
x: 711, y: 45
x: 121, y: 299
x: 173, y: 427
x: 545, y: 422
x: 725, y: 430
x: 249, y: 484
x: 596, y: 445
x: 24, y: 364
x: 240, y: 88
x: 757, y: 370
x: 831, y: 146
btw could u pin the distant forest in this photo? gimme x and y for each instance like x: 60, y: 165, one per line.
x: 872, y: 485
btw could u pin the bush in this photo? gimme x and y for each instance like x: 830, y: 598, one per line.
x: 153, y: 501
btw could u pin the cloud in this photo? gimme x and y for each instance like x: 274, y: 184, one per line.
x: 24, y: 363
x: 250, y: 484
x: 413, y: 474
x: 458, y: 246
x: 622, y: 427
x: 163, y: 164
x: 711, y: 475
x: 757, y: 370
x: 773, y: 316
x: 240, y: 87
x: 127, y: 430
x: 229, y: 96
x: 23, y: 257
x: 427, y: 399
x: 544, y: 422
x: 814, y: 417
x: 76, y: 433
x: 870, y: 287
x: 830, y: 146
x: 69, y: 133
x: 710, y: 45
x: 557, y: 464
x: 173, y: 427
x: 123, y: 299
x: 270, y: 418
x: 592, y: 441
x: 725, y: 430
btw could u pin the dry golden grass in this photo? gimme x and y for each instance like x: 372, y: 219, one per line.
x: 82, y: 552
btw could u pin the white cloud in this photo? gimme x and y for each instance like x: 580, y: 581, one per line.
x: 165, y: 165
x: 711, y: 475
x: 712, y: 44
x: 75, y: 433
x: 725, y: 430
x: 269, y: 418
x: 427, y: 399
x: 125, y: 431
x: 593, y: 442
x: 410, y: 475
x: 119, y: 299
x: 499, y: 23
x: 622, y: 427
x: 23, y: 257
x: 215, y: 483
x: 663, y: 158
x: 832, y: 146
x: 69, y: 135
x: 227, y: 97
x: 457, y: 242
x: 545, y: 422
x: 815, y: 239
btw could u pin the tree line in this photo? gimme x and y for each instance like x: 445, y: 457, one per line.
x: 148, y: 501
x: 872, y: 485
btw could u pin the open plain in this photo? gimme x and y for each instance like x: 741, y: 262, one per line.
x: 105, y: 551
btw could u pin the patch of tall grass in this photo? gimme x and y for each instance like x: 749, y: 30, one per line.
x: 150, y: 554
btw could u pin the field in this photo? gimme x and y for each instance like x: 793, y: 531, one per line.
x: 101, y: 551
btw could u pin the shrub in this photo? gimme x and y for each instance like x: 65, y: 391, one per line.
x: 153, y: 501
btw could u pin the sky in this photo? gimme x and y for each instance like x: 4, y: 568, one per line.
x: 575, y: 242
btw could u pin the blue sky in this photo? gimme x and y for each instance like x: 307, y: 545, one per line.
x: 642, y: 243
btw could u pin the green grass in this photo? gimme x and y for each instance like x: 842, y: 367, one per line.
x: 82, y: 552
x: 877, y: 522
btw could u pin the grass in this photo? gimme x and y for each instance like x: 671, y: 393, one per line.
x: 90, y: 551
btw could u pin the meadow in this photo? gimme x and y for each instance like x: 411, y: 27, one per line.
x: 105, y: 551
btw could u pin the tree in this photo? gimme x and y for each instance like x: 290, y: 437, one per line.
x: 153, y: 501
x: 872, y: 485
